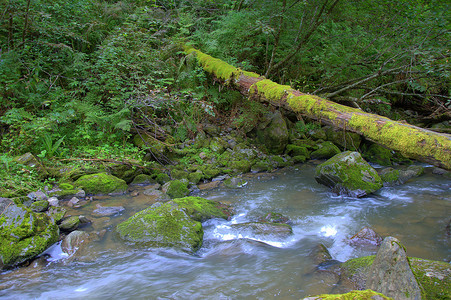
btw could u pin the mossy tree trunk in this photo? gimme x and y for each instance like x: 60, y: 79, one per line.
x: 411, y: 141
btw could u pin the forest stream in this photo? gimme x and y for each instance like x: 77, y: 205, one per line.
x: 236, y: 265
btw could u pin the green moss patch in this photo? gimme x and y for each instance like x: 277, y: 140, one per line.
x: 101, y: 183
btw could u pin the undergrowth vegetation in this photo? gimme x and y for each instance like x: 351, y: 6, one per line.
x: 79, y: 79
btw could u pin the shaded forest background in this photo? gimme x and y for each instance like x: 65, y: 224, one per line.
x: 79, y: 78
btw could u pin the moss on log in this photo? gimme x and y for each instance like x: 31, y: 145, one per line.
x: 411, y: 141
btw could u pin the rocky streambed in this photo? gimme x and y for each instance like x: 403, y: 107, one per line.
x: 276, y: 234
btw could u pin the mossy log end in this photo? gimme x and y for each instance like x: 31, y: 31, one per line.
x: 411, y: 141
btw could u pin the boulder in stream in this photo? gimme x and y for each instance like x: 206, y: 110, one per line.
x: 433, y: 277
x: 391, y: 274
x: 102, y: 183
x: 23, y: 233
x: 366, y: 236
x: 349, y: 174
x: 176, y: 223
x: 162, y: 225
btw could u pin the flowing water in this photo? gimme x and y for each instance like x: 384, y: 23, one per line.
x: 233, y: 265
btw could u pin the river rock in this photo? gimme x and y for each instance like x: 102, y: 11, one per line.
x: 275, y: 136
x: 67, y: 191
x: 106, y: 211
x: 24, y: 234
x: 74, y: 241
x: 410, y: 172
x: 349, y: 174
x: 70, y: 224
x: 274, y: 217
x: 235, y: 183
x: 39, y: 206
x: 56, y: 213
x: 325, y: 150
x: 53, y: 201
x: 390, y: 272
x: 37, y: 196
x: 176, y: 188
x: 201, y: 209
x: 366, y: 236
x: 162, y: 225
x: 319, y: 254
x: 73, y: 202
x: 264, y: 229
x: 143, y: 179
x: 102, y: 183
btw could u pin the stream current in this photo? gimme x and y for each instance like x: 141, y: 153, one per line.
x: 233, y: 265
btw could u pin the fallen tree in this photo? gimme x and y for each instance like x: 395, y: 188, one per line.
x: 411, y: 141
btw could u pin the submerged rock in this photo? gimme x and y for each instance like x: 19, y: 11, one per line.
x: 24, y: 234
x: 349, y: 174
x: 106, y: 211
x: 265, y: 229
x: 319, y: 254
x: 102, y: 183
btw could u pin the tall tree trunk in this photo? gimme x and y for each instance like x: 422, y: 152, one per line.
x: 411, y: 141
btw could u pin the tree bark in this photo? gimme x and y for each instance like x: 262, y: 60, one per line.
x: 411, y: 141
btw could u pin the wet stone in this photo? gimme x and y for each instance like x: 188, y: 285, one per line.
x: 106, y: 211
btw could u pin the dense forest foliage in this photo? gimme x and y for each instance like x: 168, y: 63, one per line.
x: 79, y: 78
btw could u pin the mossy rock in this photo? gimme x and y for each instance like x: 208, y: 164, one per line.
x: 66, y: 190
x: 262, y: 166
x: 390, y: 176
x: 102, y: 183
x: 201, y: 209
x: 124, y: 171
x: 70, y: 223
x: 349, y: 174
x: 195, y: 177
x: 217, y: 145
x: 361, y: 295
x: 295, y: 150
x: 434, y: 277
x: 325, y: 150
x: 162, y: 225
x: 56, y: 213
x: 179, y: 174
x: 210, y: 171
x: 275, y: 137
x: 240, y: 166
x: 143, y: 179
x: 39, y: 206
x: 176, y: 188
x: 162, y: 178
x: 379, y: 155
x: 23, y: 233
